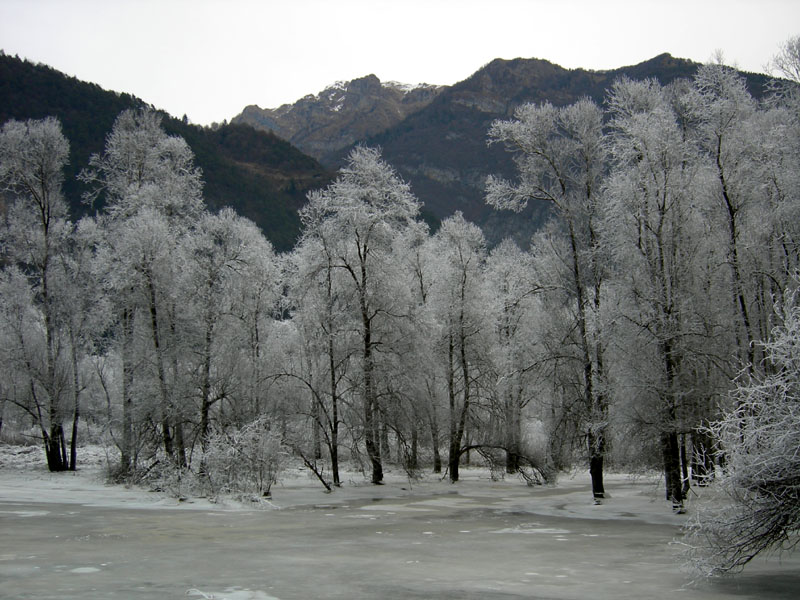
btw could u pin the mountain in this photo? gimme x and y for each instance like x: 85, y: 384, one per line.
x: 441, y: 149
x: 435, y: 137
x: 258, y: 174
x: 340, y: 115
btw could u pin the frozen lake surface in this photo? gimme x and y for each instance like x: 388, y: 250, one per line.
x: 477, y: 539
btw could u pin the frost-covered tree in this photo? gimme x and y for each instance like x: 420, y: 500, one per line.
x: 459, y: 306
x: 358, y: 217
x: 32, y: 158
x: 320, y: 358
x: 561, y: 160
x: 423, y: 263
x: 721, y: 108
x: 151, y: 197
x: 511, y: 292
x: 220, y: 257
x: 655, y: 233
x: 757, y: 505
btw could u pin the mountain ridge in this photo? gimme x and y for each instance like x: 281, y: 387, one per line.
x: 323, y: 124
x: 442, y: 150
x: 435, y: 140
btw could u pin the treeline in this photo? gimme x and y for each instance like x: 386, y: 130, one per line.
x: 619, y: 335
x: 263, y: 177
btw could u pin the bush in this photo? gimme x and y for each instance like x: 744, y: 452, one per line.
x: 755, y: 506
x: 242, y: 462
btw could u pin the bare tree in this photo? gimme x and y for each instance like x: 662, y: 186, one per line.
x: 786, y: 62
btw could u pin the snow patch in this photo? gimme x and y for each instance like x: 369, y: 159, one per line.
x: 533, y: 528
x: 392, y: 508
x: 405, y: 87
x: 230, y: 594
x: 25, y: 513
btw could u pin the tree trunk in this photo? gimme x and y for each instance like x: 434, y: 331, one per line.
x: 371, y: 438
x: 334, y: 425
x: 384, y: 433
x: 55, y: 448
x: 458, y: 426
x: 453, y: 442
x: 413, y: 463
x: 437, y: 457
x: 180, y: 442
x: 76, y: 413
x: 702, y: 458
x: 685, y: 481
x: 166, y: 436
x: 596, y: 454
x: 513, y: 433
x: 126, y: 451
x: 670, y: 449
x: 205, y: 385
x: 316, y: 428
x: 746, y: 345
x: 177, y: 411
x: 596, y: 439
x: 73, y: 442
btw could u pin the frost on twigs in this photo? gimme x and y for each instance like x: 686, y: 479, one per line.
x: 503, y: 195
x: 243, y: 462
x: 755, y: 506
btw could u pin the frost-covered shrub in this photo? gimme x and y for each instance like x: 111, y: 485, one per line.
x: 755, y: 505
x: 242, y: 462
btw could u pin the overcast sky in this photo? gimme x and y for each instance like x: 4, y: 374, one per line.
x: 208, y: 59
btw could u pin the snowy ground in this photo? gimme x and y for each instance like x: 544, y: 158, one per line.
x: 71, y: 536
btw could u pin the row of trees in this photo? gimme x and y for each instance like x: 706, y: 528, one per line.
x: 619, y: 333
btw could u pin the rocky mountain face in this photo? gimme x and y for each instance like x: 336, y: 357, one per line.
x: 436, y: 137
x: 341, y: 114
x: 442, y: 150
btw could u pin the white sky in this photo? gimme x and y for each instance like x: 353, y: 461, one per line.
x: 210, y: 58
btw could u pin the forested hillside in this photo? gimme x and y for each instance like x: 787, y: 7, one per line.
x: 261, y: 176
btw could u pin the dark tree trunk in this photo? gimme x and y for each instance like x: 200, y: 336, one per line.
x: 181, y: 443
x: 166, y: 435
x: 702, y: 458
x: 205, y: 385
x: 126, y: 450
x: 55, y: 448
x: 670, y: 449
x: 453, y: 439
x: 513, y: 434
x: 413, y: 462
x: 317, y: 433
x: 73, y: 442
x: 437, y: 457
x: 453, y: 460
x: 371, y: 435
x: 596, y: 454
x: 334, y: 444
x: 384, y: 433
